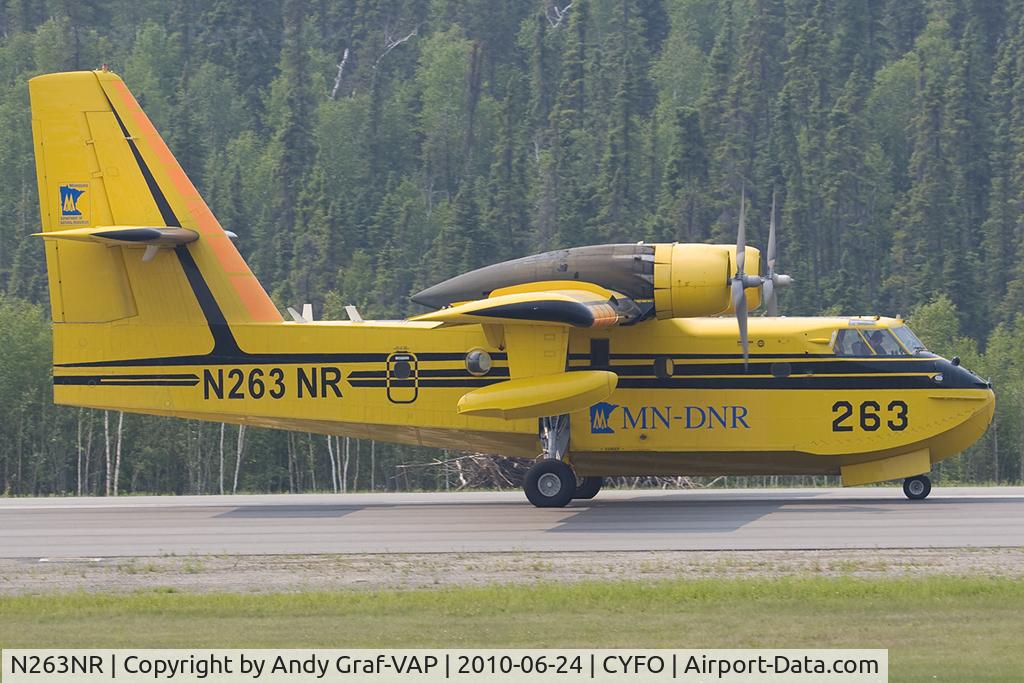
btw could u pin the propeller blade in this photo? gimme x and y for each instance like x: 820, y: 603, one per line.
x: 771, y: 240
x: 739, y: 304
x: 771, y: 300
x: 741, y: 234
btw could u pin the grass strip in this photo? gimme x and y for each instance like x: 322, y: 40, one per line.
x: 936, y: 628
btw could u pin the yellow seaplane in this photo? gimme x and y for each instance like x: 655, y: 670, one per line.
x: 606, y: 360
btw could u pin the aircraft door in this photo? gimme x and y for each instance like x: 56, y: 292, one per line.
x: 403, y: 377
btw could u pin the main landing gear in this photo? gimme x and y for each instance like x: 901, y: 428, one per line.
x: 551, y: 483
x: 917, y: 488
x: 587, y: 487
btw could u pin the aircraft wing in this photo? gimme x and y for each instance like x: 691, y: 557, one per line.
x: 574, y: 304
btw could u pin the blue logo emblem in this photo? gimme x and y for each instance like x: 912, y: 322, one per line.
x: 599, y: 414
x: 73, y: 207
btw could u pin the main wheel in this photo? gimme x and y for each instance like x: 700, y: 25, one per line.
x: 917, y: 488
x: 550, y: 484
x: 587, y: 488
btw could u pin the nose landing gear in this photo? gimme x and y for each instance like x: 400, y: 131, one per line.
x: 917, y: 488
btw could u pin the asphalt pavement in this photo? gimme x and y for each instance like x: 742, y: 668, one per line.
x: 775, y: 519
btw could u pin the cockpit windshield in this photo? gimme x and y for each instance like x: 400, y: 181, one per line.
x: 877, y: 342
x: 909, y: 339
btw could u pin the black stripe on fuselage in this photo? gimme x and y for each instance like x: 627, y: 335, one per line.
x: 243, y: 358
x: 168, y: 380
x: 702, y: 356
x: 463, y: 383
x: 807, y: 382
x: 816, y: 383
x: 867, y: 378
x: 864, y: 366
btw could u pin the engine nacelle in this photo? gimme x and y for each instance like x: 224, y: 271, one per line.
x: 683, y: 280
x: 692, y: 280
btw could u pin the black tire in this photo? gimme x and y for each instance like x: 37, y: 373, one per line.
x: 550, y: 484
x: 917, y: 488
x: 587, y: 488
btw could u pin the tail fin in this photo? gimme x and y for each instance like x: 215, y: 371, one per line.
x: 101, y: 163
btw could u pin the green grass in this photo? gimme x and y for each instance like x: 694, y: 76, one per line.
x: 951, y: 629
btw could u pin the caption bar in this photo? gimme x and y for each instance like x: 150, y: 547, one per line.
x: 428, y: 666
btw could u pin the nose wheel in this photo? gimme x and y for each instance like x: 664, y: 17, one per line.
x: 917, y: 488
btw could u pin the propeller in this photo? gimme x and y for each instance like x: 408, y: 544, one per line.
x: 769, y: 283
x: 740, y: 281
x: 772, y: 280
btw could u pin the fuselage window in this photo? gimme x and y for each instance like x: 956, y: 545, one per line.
x: 851, y: 343
x: 883, y: 343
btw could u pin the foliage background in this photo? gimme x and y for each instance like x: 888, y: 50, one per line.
x: 363, y: 149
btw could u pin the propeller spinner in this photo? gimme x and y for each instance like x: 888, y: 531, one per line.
x: 769, y: 283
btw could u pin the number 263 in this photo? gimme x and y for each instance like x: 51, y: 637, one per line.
x: 870, y: 416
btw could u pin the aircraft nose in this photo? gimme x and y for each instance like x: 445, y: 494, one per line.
x: 970, y: 411
x: 989, y: 409
x: 952, y: 375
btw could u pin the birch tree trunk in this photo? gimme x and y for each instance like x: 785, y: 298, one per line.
x: 117, y: 456
x: 355, y: 475
x: 220, y: 475
x: 312, y: 462
x: 344, y: 469
x: 88, y: 456
x: 106, y: 438
x: 330, y: 455
x: 291, y: 462
x: 238, y: 457
x: 78, y: 469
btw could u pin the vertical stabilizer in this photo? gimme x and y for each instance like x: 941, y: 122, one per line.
x: 100, y: 162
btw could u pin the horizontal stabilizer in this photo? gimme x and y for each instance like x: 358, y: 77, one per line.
x: 120, y: 235
x: 541, y: 395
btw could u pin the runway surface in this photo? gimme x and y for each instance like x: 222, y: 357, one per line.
x: 57, y: 528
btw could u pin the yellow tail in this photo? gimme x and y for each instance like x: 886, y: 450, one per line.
x: 142, y: 290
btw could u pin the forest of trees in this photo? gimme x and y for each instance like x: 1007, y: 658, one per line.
x: 363, y: 149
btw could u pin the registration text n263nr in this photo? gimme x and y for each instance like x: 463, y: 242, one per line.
x: 316, y: 381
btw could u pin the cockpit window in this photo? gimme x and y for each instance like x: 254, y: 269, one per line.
x: 883, y: 343
x: 909, y: 339
x: 851, y: 343
x: 877, y: 342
